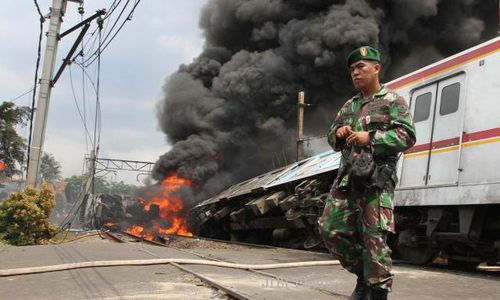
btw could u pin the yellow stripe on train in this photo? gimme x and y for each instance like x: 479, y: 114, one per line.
x: 453, y: 148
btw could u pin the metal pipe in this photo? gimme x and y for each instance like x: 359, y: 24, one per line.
x: 160, y: 261
x: 300, y: 125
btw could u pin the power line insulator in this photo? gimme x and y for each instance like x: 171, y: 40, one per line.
x: 100, y: 22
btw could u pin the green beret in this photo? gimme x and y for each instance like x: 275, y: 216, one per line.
x: 363, y: 53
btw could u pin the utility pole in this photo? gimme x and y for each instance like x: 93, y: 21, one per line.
x: 300, y: 125
x: 56, y: 13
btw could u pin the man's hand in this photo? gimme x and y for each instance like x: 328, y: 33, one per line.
x: 361, y: 138
x: 343, y: 132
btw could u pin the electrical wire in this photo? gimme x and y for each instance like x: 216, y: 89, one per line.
x: 77, y: 106
x: 81, y: 10
x: 75, y: 239
x: 97, y: 121
x: 98, y: 100
x: 39, y: 54
x: 66, y: 222
x: 97, y: 125
x: 87, y: 75
x: 91, y: 48
x: 116, y: 22
x: 92, y: 41
x: 73, y: 211
x: 78, y: 205
x: 93, y: 57
x: 21, y: 95
x: 110, y: 11
x: 112, y: 8
x: 38, y: 9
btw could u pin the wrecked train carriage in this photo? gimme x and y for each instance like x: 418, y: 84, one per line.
x: 277, y: 208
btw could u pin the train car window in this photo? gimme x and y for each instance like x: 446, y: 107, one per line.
x: 449, y: 99
x: 422, y: 107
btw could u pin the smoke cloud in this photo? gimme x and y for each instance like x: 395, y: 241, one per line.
x: 231, y: 113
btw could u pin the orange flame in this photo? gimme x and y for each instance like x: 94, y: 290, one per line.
x: 170, y: 207
x: 138, y: 230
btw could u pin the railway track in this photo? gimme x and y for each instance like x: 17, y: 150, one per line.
x: 125, y: 237
x: 482, y: 269
x: 166, y: 238
x: 129, y: 267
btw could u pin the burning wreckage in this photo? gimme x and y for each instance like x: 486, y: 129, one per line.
x: 157, y: 211
x: 277, y: 208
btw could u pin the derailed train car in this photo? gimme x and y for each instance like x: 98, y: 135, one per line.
x: 448, y: 197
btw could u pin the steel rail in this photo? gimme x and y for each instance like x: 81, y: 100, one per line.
x: 111, y: 236
x: 231, y: 242
x: 141, y: 239
x: 230, y: 291
x: 210, y: 282
x: 295, y: 282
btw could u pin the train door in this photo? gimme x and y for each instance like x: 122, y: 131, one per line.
x: 437, y: 110
x: 447, y: 132
x: 415, y: 161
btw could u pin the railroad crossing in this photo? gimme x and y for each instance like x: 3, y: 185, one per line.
x: 193, y: 281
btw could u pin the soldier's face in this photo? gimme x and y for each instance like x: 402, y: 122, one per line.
x: 364, y: 73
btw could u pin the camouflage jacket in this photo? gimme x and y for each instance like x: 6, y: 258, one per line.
x: 387, y: 119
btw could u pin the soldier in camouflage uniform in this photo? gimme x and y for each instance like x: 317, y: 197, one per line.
x: 355, y: 226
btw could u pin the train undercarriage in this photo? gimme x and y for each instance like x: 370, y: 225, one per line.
x: 287, y: 215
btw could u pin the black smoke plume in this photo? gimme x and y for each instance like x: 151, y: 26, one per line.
x: 231, y: 113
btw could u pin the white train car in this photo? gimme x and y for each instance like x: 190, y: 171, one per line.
x: 448, y: 195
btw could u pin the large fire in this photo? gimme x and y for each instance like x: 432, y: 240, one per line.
x: 168, y: 207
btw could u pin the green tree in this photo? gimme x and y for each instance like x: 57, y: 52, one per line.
x: 102, y: 186
x: 12, y: 146
x: 121, y: 188
x: 73, y: 187
x: 51, y: 168
x: 75, y: 184
x: 24, y: 216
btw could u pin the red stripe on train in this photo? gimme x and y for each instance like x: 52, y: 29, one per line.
x: 447, y: 64
x: 468, y: 137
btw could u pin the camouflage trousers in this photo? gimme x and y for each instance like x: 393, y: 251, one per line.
x: 355, y: 231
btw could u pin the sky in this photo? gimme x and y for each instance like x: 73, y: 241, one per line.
x: 161, y: 36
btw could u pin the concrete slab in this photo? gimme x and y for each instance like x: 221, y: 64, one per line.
x: 149, y: 282
x: 410, y: 282
x: 257, y: 286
